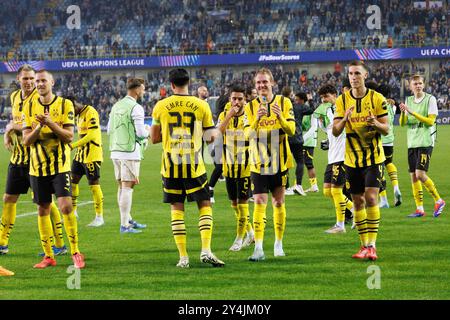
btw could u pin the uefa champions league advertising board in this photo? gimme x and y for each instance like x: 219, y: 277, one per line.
x: 231, y: 59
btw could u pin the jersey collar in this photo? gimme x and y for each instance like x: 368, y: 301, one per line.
x: 46, y: 105
x: 28, y: 96
x: 273, y: 99
x: 367, y: 91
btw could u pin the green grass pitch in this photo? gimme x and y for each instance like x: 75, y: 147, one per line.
x: 413, y: 253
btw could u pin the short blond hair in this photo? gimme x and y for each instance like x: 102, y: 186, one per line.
x: 25, y: 67
x: 358, y: 63
x: 267, y: 72
x: 416, y: 77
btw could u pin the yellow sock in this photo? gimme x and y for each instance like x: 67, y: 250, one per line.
x: 312, y: 181
x: 242, y: 221
x: 327, y: 192
x: 348, y: 203
x: 361, y: 225
x: 339, y: 204
x: 431, y: 188
x: 97, y: 195
x: 205, y: 225
x: 55, y: 217
x: 46, y: 234
x: 383, y: 194
x: 259, y: 220
x: 392, y: 171
x: 75, y: 194
x: 179, y: 231
x: 279, y: 221
x: 373, y: 221
x: 249, y: 223
x: 418, y: 193
x: 71, y: 226
x: 236, y: 212
x: 7, y: 222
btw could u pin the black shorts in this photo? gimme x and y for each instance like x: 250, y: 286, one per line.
x: 238, y: 188
x: 389, y: 154
x: 335, y: 174
x: 360, y: 178
x: 18, y: 180
x: 44, y: 187
x: 91, y: 169
x: 308, y: 157
x: 265, y: 183
x: 177, y: 189
x: 419, y: 158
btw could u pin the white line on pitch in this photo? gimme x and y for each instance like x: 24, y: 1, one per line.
x: 81, y: 204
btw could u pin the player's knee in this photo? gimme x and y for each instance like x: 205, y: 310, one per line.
x: 359, y: 202
x: 44, y: 209
x: 10, y: 198
x: 421, y: 175
x: 277, y: 202
x: 66, y: 208
x: 371, y: 200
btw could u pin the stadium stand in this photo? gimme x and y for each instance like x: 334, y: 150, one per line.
x: 227, y: 26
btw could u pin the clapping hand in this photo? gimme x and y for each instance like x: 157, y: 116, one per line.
x: 404, y: 107
x: 371, y: 119
x: 277, y: 110
x: 262, y: 111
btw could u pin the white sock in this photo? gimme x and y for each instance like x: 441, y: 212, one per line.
x: 278, y: 244
x: 126, y: 199
x: 341, y: 224
x: 396, y: 189
x: 420, y: 208
x: 258, y: 244
x: 119, y: 192
x: 383, y: 200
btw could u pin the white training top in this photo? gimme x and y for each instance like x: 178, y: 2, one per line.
x: 336, y: 151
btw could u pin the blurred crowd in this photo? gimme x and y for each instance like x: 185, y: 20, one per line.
x: 103, y: 91
x: 215, y: 26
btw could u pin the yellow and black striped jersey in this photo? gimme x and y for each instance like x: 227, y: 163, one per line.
x: 227, y: 106
x: 49, y: 155
x: 20, y: 154
x: 183, y: 119
x: 363, y: 145
x: 269, y: 148
x: 89, y: 146
x: 235, y: 155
